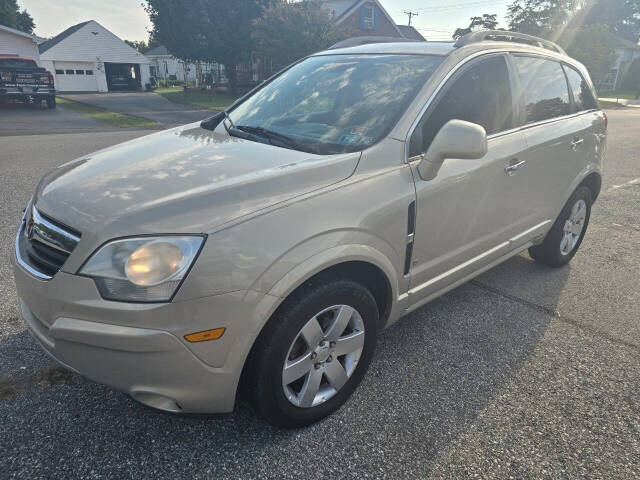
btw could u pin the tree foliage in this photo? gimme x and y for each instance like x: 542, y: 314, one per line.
x: 542, y: 18
x: 11, y: 16
x: 207, y: 30
x: 622, y: 17
x: 484, y: 22
x: 288, y: 31
x: 591, y: 45
x: 632, y: 80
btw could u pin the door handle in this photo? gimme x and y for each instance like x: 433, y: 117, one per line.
x: 576, y: 143
x: 512, y: 168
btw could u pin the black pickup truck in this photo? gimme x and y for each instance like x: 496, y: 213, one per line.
x: 21, y: 79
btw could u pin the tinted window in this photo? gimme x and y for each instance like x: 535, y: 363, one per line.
x: 69, y: 72
x: 79, y: 72
x: 582, y: 96
x: 544, y: 88
x: 480, y: 95
x: 59, y: 72
x: 89, y: 72
x: 17, y: 64
x: 337, y: 103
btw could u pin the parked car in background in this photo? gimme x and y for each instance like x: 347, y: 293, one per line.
x: 267, y: 246
x: 21, y: 79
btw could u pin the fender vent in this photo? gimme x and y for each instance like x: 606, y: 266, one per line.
x: 411, y: 231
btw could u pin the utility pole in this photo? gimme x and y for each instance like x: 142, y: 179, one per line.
x: 411, y: 15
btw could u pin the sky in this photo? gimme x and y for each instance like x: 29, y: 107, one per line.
x: 436, y: 20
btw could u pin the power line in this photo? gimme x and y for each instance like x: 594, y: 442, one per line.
x: 411, y: 15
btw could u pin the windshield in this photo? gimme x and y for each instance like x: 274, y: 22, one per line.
x: 336, y: 103
x: 17, y: 64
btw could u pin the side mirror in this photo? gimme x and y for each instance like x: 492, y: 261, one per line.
x: 457, y: 139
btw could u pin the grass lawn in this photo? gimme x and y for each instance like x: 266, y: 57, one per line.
x: 112, y: 118
x: 604, y: 104
x: 197, y: 98
x: 620, y: 95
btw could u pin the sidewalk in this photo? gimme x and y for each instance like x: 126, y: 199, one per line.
x: 622, y: 101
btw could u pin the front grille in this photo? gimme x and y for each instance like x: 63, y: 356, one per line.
x: 44, y: 244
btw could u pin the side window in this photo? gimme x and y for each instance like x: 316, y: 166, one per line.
x: 544, y: 88
x: 582, y: 96
x: 481, y: 94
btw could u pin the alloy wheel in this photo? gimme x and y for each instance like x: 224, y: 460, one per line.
x: 323, y: 356
x: 573, y: 227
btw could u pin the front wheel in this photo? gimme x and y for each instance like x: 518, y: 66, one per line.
x: 314, y: 352
x: 566, y: 235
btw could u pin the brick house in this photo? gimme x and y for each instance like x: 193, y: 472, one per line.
x: 366, y: 18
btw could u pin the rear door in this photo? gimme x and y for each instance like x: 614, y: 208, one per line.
x: 464, y: 216
x: 555, y: 137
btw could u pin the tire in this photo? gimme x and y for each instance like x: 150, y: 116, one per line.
x: 554, y: 251
x: 51, y: 102
x: 283, y: 343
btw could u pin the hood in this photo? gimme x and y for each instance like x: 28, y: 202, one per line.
x: 185, y: 180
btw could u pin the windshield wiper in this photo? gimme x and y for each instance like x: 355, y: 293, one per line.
x: 279, y: 139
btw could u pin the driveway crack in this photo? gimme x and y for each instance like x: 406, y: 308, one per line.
x: 554, y: 313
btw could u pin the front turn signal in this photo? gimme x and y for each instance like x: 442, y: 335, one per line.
x: 205, y: 336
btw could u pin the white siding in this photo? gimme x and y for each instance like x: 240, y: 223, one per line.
x: 11, y: 44
x: 93, y: 43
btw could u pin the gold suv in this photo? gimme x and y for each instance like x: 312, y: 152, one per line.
x: 268, y: 245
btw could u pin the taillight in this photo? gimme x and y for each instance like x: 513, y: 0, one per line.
x: 51, y: 78
x: 606, y: 120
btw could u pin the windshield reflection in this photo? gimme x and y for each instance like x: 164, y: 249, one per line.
x: 336, y: 103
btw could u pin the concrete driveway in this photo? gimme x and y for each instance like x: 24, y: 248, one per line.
x: 145, y: 105
x: 527, y: 372
x: 21, y: 119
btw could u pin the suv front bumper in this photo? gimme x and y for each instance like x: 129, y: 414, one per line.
x: 140, y: 348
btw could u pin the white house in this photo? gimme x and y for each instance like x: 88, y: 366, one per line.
x: 89, y: 58
x: 164, y: 66
x: 15, y: 42
x: 626, y: 52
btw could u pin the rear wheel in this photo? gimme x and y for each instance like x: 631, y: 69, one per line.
x: 51, y: 102
x: 314, y: 352
x: 566, y: 235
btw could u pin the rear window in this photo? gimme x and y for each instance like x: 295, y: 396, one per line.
x: 544, y: 88
x: 17, y: 64
x: 582, y: 96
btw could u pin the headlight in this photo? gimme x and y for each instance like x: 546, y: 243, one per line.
x: 146, y: 269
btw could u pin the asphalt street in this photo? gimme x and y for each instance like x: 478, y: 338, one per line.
x: 526, y: 372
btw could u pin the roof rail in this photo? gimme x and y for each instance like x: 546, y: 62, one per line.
x: 506, y: 36
x: 356, y: 41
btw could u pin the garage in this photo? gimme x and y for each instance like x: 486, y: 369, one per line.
x: 75, y: 77
x: 89, y: 58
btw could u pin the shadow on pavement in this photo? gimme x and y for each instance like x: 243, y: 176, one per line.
x: 433, y: 373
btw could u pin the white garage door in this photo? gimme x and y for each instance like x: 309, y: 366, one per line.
x: 75, y: 77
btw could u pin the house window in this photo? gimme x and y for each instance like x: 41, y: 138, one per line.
x: 59, y: 72
x: 69, y: 72
x: 79, y: 72
x: 88, y: 72
x: 369, y: 17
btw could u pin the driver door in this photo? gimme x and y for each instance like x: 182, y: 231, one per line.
x: 465, y: 215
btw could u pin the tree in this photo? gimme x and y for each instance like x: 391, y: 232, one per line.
x: 288, y: 31
x: 631, y: 81
x: 24, y: 22
x: 139, y: 45
x: 543, y: 18
x: 207, y: 30
x: 485, y: 22
x: 622, y: 17
x: 592, y: 45
x: 11, y: 16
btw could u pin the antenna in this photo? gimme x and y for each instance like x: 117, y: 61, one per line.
x: 411, y: 15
